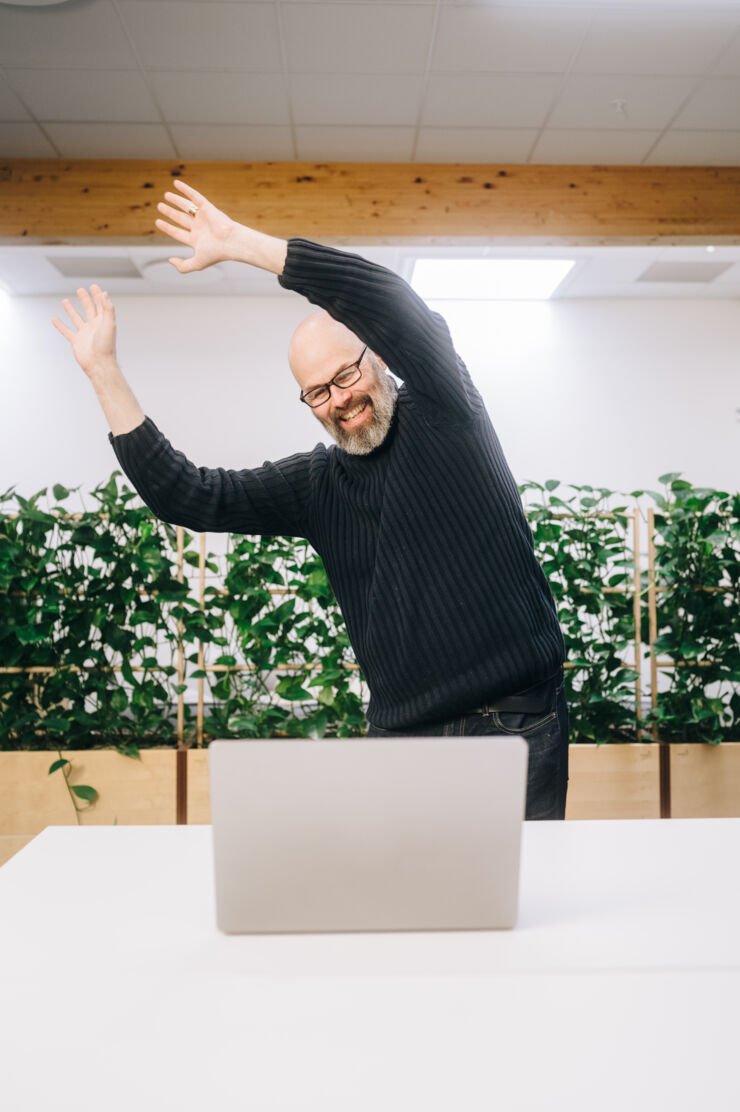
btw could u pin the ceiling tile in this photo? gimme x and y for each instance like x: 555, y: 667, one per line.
x: 607, y: 148
x: 479, y: 38
x: 19, y: 140
x: 355, y: 144
x: 222, y: 98
x: 716, y: 106
x: 696, y: 148
x: 233, y: 142
x: 203, y: 36
x: 667, y: 42
x: 111, y: 140
x: 72, y: 35
x: 10, y: 107
x: 358, y: 99
x: 356, y: 38
x: 729, y: 64
x: 474, y: 144
x: 488, y: 100
x: 85, y: 94
x: 593, y: 101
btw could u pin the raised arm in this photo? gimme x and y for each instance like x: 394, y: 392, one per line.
x: 92, y: 338
x: 374, y: 302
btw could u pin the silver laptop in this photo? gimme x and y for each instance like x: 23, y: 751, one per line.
x: 382, y: 834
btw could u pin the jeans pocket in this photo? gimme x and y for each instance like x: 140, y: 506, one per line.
x: 518, y: 722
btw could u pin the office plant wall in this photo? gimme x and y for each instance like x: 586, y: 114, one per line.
x: 116, y: 629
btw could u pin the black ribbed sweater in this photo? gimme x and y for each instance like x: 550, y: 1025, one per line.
x: 424, y: 540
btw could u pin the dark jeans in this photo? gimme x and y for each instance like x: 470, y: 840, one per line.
x: 545, y: 730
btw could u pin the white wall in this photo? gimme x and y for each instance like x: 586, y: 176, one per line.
x: 611, y: 393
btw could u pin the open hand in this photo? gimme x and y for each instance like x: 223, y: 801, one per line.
x: 198, y: 224
x: 92, y: 337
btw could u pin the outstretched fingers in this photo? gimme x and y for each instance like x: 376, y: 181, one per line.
x: 180, y: 215
x: 65, y: 330
x: 180, y: 234
x: 72, y: 313
x: 191, y: 194
x: 87, y: 304
x: 102, y: 301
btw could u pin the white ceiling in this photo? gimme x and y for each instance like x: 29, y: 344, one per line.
x: 540, y: 81
x: 612, y: 272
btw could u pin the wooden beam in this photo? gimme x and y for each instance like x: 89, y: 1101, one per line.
x: 60, y: 201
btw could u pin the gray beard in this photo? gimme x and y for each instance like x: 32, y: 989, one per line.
x: 366, y: 440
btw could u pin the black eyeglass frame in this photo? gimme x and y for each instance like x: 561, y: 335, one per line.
x: 326, y: 386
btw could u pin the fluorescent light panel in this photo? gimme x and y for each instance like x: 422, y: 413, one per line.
x: 489, y: 279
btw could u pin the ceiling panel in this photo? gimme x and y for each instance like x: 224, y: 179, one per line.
x: 508, y: 39
x: 666, y: 42
x: 221, y: 98
x: 23, y: 140
x: 355, y: 99
x: 201, y: 35
x: 696, y: 148
x: 233, y: 142
x: 74, y: 35
x: 85, y: 95
x: 474, y: 144
x: 624, y: 101
x: 729, y: 63
x: 10, y: 106
x: 488, y: 100
x: 582, y: 147
x: 503, y: 80
x: 111, y: 140
x: 356, y: 38
x: 715, y: 105
x: 355, y: 144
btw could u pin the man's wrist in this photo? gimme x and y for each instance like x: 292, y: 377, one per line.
x: 246, y: 245
x: 102, y: 369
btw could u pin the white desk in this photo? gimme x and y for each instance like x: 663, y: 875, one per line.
x: 619, y: 988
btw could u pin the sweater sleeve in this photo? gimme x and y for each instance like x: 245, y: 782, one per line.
x: 385, y: 313
x: 270, y: 499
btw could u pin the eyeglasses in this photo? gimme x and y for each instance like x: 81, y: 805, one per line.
x: 348, y: 376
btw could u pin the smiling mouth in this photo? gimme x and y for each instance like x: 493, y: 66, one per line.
x: 355, y: 412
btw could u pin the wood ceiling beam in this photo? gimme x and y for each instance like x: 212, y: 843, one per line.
x: 67, y: 201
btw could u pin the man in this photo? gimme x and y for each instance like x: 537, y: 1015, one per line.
x: 415, y: 513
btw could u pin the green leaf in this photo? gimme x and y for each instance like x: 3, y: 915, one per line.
x: 56, y: 725
x: 57, y: 765
x: 84, y: 791
x: 60, y: 492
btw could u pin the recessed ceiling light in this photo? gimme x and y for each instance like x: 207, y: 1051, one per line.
x: 489, y: 279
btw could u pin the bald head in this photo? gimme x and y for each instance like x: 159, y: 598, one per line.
x: 319, y: 345
x: 358, y: 416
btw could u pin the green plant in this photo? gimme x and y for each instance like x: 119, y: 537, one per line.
x: 582, y: 541
x: 697, y: 559
x: 93, y: 611
x: 276, y: 611
x: 92, y: 602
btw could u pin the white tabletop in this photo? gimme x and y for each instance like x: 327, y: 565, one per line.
x: 618, y: 988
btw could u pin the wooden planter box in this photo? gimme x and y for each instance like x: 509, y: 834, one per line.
x: 606, y: 782
x: 705, y: 781
x: 613, y: 782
